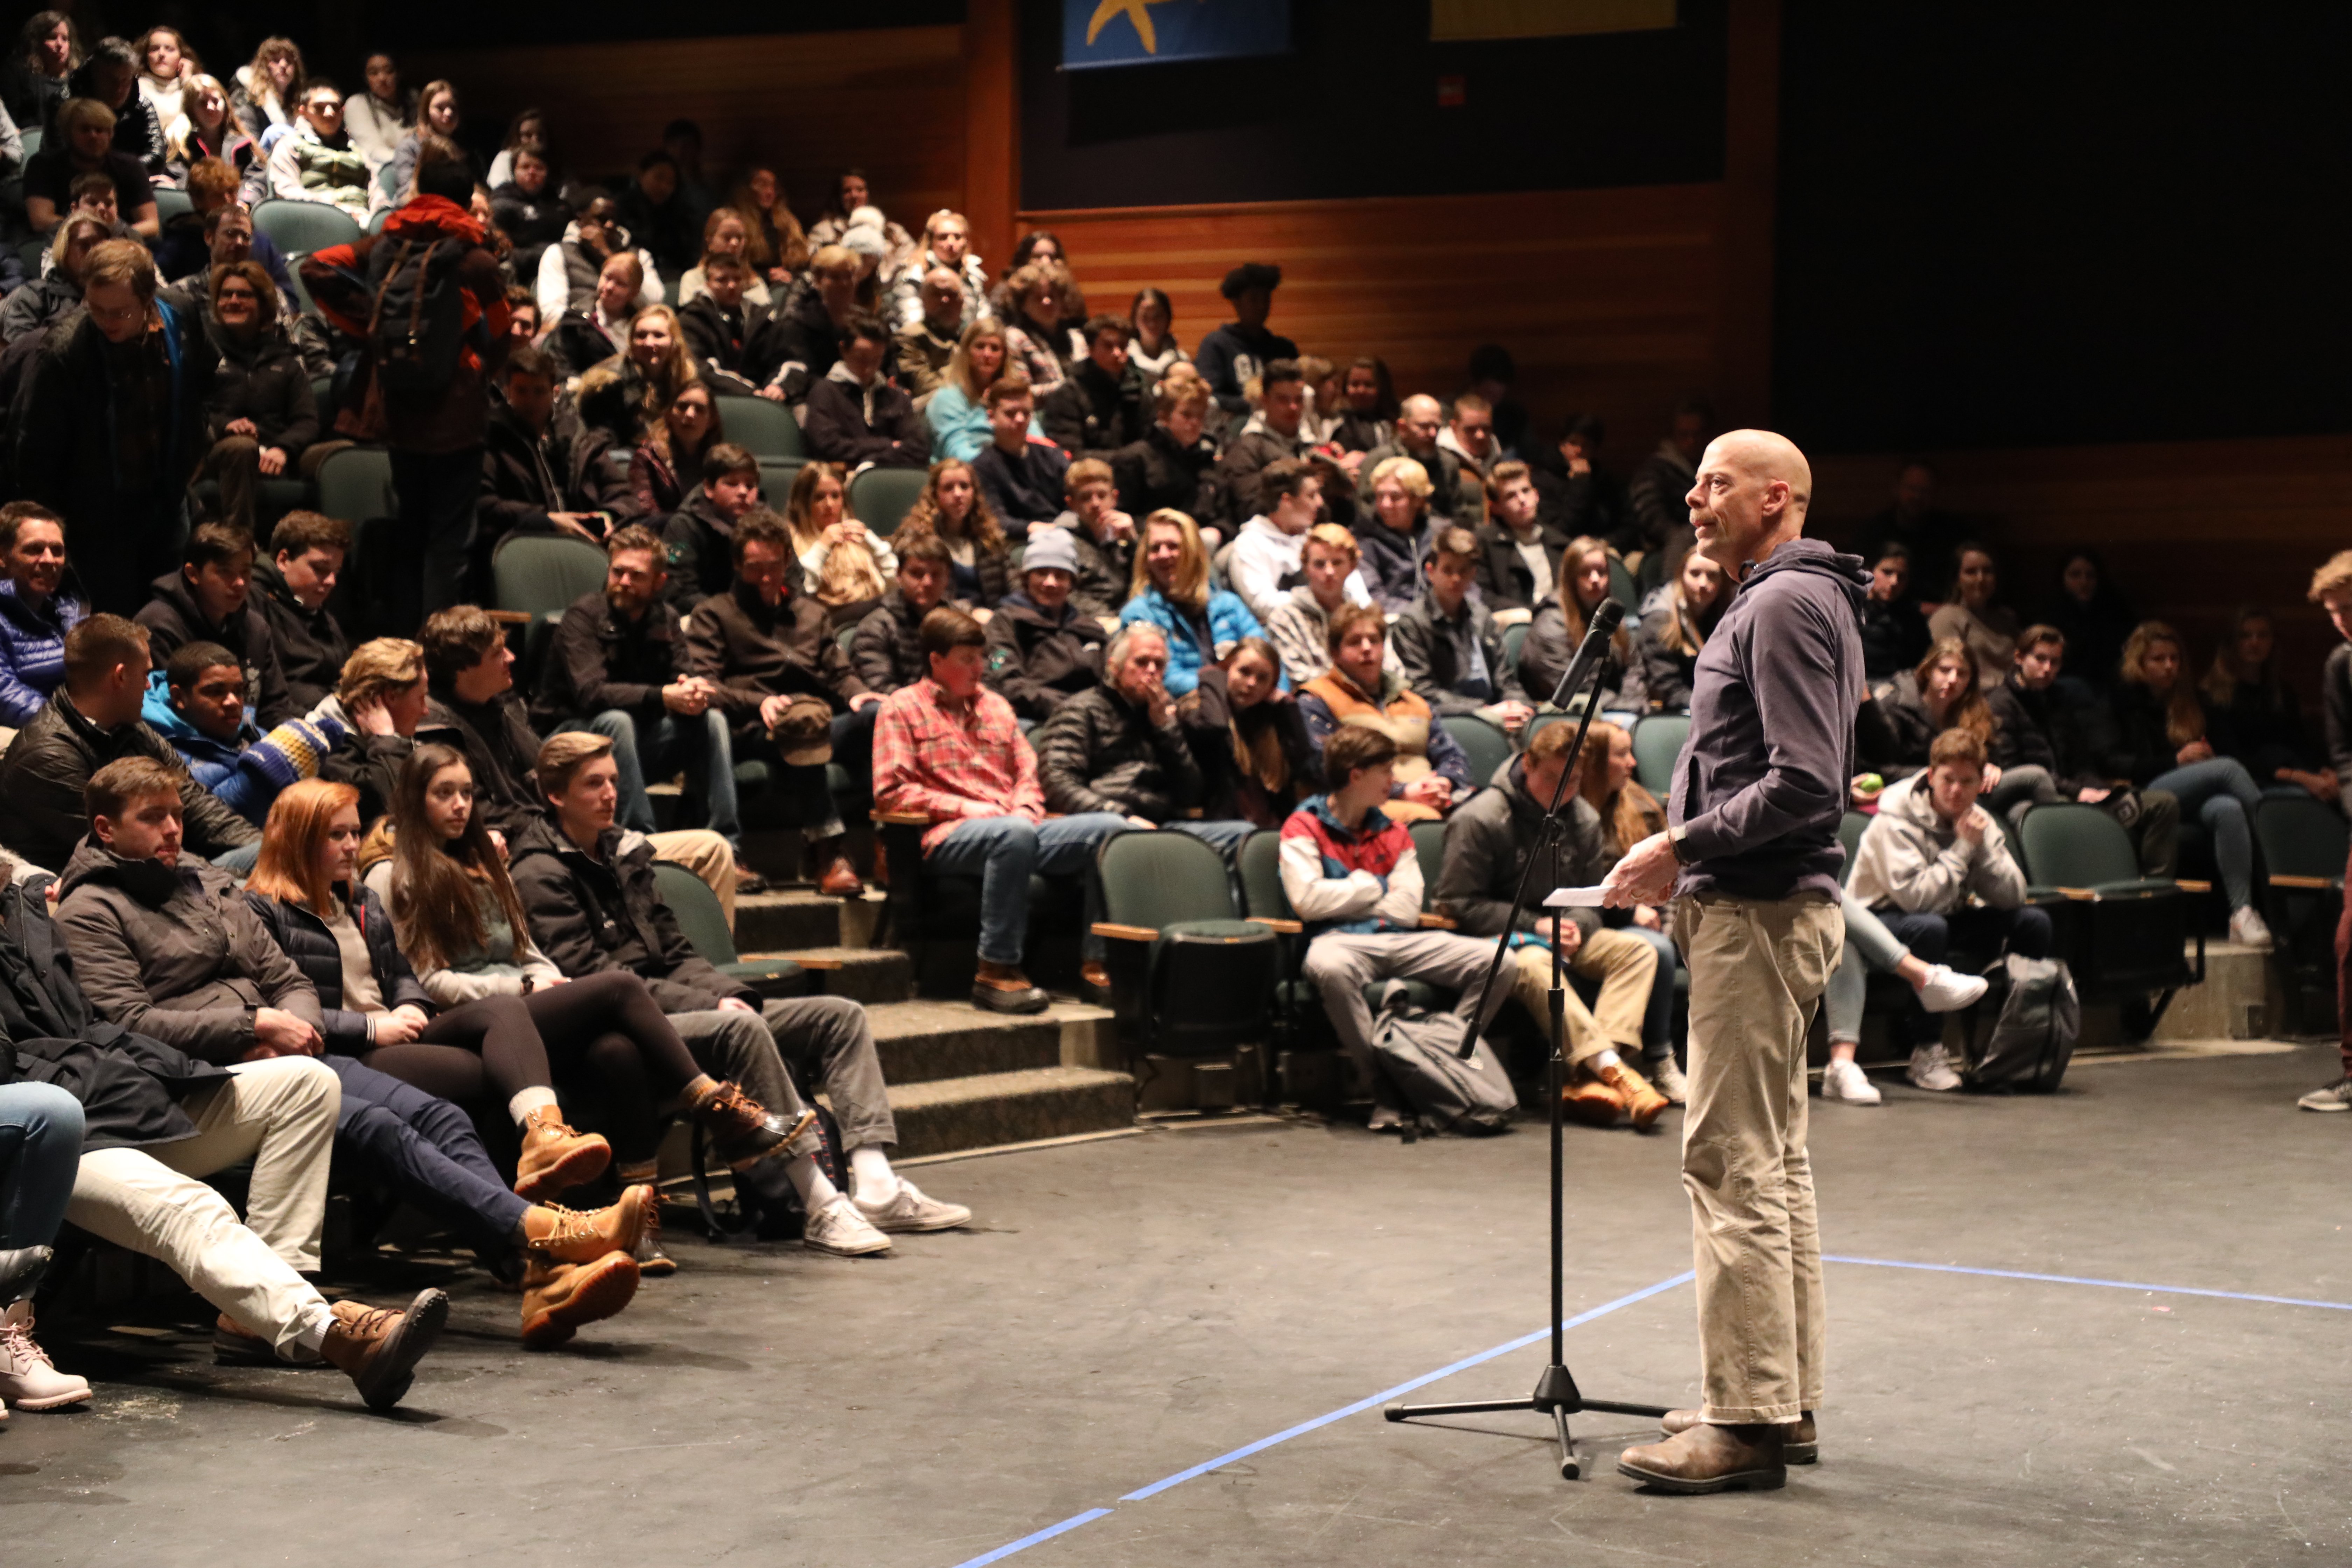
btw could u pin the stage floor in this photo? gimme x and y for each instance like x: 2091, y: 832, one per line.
x: 1139, y: 1309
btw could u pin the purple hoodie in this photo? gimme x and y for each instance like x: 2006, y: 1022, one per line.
x: 1762, y: 783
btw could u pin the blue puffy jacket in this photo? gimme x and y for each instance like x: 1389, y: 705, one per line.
x: 33, y: 650
x: 249, y: 774
x: 1229, y: 621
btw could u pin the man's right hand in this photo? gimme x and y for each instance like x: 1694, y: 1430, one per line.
x: 685, y: 697
x: 773, y: 709
x: 277, y: 1033
x: 1971, y: 824
x: 2091, y: 794
x: 372, y: 715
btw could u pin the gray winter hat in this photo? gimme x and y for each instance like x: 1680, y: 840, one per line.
x: 1050, y: 549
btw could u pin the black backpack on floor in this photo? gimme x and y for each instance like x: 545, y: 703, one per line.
x: 1417, y: 1051
x: 2022, y: 1034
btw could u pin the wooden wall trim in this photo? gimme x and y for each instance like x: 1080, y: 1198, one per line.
x: 992, y: 107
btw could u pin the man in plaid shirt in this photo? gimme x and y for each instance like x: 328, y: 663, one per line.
x: 950, y: 748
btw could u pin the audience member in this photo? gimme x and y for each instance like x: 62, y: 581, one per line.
x: 1275, y: 431
x: 855, y: 418
x: 196, y: 702
x: 1299, y: 623
x: 436, y: 115
x: 1117, y: 747
x: 1900, y: 721
x: 269, y: 89
x: 1152, y: 348
x: 570, y: 271
x: 851, y: 196
x: 587, y: 335
x: 1628, y: 814
x: 208, y: 600
x: 1450, y: 646
x: 1397, y: 534
x: 381, y: 698
x: 1174, y: 466
x: 528, y: 207
x: 1668, y: 641
x: 1558, y: 631
x: 775, y: 245
x: 110, y: 76
x: 1516, y: 547
x: 1100, y: 407
x: 1367, y: 414
x: 165, y: 64
x: 627, y: 396
x: 949, y: 750
x: 1267, y: 559
x: 1429, y: 773
x: 1894, y: 635
x: 574, y: 1268
x: 1257, y: 762
x: 1021, y: 475
x: 886, y: 651
x: 2048, y: 743
x: 1469, y: 435
x: 1657, y: 514
x: 261, y: 418
x: 1989, y: 629
x: 699, y: 538
x: 1451, y: 494
x: 765, y: 652
x: 2256, y: 719
x: 209, y: 130
x: 658, y: 215
x: 947, y: 248
x: 1930, y: 534
x: 845, y: 565
x: 683, y: 441
x: 42, y: 1125
x: 731, y: 338
x: 809, y: 322
x: 48, y: 52
x: 1042, y: 649
x: 923, y: 349
x: 958, y: 412
x: 1242, y: 349
x: 1171, y: 589
x: 1487, y: 848
x: 725, y: 236
x: 2096, y: 619
x: 316, y: 160
x: 1036, y: 298
x: 38, y: 606
x: 1580, y: 498
x: 1349, y: 871
x: 1103, y: 536
x: 952, y: 510
x: 2163, y: 740
x: 380, y: 116
x: 475, y: 710
x: 531, y: 484
x: 2331, y: 589
x: 32, y: 308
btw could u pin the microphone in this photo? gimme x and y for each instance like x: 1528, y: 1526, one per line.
x: 1603, y: 626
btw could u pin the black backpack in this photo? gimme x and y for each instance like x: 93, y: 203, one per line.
x: 416, y: 322
x: 2022, y: 1034
x: 1417, y: 1051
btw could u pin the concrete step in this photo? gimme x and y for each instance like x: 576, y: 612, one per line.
x: 2243, y: 998
x: 867, y: 975
x: 982, y: 1111
x: 800, y: 917
x: 926, y: 1041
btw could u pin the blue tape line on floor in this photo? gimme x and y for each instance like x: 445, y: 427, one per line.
x: 1027, y: 1542
x: 2107, y: 1284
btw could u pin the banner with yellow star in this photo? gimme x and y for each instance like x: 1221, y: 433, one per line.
x: 1096, y: 33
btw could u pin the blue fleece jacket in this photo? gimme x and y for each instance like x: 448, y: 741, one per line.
x: 248, y: 774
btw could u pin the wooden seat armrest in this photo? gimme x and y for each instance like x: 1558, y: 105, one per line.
x: 2186, y: 886
x: 902, y: 818
x: 1289, y: 928
x: 1125, y: 933
x: 2080, y: 895
x: 1431, y: 921
x: 2316, y: 884
x: 510, y: 617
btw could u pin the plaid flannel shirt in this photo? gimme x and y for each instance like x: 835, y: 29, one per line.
x: 952, y: 760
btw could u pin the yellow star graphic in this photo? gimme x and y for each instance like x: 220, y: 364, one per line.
x: 1136, y: 11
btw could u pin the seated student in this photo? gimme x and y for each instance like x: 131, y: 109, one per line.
x: 1431, y: 771
x: 38, y: 607
x: 42, y: 1125
x: 1452, y: 495
x: 2047, y: 743
x: 381, y: 699
x: 1970, y: 615
x: 1449, y: 644
x: 196, y: 702
x: 952, y: 511
x: 35, y: 306
x: 592, y: 331
x: 885, y: 649
x: 1668, y: 640
x: 1022, y: 479
x: 92, y: 719
x: 700, y: 537
x: 1277, y: 430
x: 1929, y: 849
x: 461, y: 925
x: 768, y: 656
x: 1175, y: 465
x: 260, y: 417
x: 950, y: 749
x: 618, y: 669
x: 307, y: 551
x: 211, y: 1073
x: 316, y: 161
x: 595, y: 908
x: 1265, y: 564
x: 958, y: 412
x: 531, y: 483
x: 1903, y: 717
x: 2256, y: 715
x: 207, y: 600
x: 1102, y: 535
x: 1349, y: 871
x: 1894, y: 635
x: 1299, y: 626
x: 1170, y: 590
x: 855, y: 416
x: 1117, y: 747
x: 1486, y: 850
x: 1558, y: 630
x: 1099, y: 406
x: 1396, y: 535
x: 925, y: 348
x: 1257, y: 762
x: 727, y: 330
x: 1515, y: 548
x: 1042, y: 650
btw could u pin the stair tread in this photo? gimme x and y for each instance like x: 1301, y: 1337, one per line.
x: 1001, y: 1086
x: 798, y: 896
x: 825, y: 957
x: 934, y: 1017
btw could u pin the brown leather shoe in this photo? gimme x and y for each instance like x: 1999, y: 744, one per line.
x: 1642, y: 1102
x: 1593, y: 1102
x: 744, y: 1130
x: 555, y: 1158
x: 1002, y: 988
x: 568, y: 1236
x: 1096, y: 975
x: 378, y: 1348
x: 1706, y: 1458
x: 839, y: 879
x: 558, y: 1298
x: 1798, y: 1444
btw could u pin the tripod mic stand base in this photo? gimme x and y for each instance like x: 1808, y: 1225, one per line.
x: 1556, y: 1395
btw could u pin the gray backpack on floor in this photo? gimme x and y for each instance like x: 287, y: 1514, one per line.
x: 1417, y: 1051
x: 2022, y: 1034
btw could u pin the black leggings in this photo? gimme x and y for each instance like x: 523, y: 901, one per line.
x: 608, y: 1024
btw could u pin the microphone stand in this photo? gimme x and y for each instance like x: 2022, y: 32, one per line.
x: 1555, y: 1393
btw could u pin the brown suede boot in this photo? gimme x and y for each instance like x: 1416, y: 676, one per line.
x: 1642, y: 1102
x: 743, y: 1130
x: 555, y: 1158
x: 567, y: 1236
x: 1002, y: 988
x: 1707, y: 1459
x: 1800, y: 1443
x: 378, y: 1348
x: 825, y: 865
x: 558, y: 1298
x: 1593, y: 1102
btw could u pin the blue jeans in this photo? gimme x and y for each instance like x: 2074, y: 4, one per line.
x: 703, y: 746
x: 239, y: 859
x: 40, y: 1150
x: 1004, y: 852
x: 1658, y: 1021
x: 427, y: 1150
x: 2220, y: 793
x: 1869, y: 946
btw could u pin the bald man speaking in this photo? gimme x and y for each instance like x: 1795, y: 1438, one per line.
x: 1751, y: 857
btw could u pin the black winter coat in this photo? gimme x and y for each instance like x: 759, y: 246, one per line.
x: 524, y: 477
x: 1101, y: 753
x: 311, y: 645
x: 43, y: 772
x: 1487, y: 841
x: 834, y: 426
x: 1895, y: 638
x: 600, y: 662
x: 1504, y: 581
x: 1435, y: 658
x: 1092, y: 415
x: 500, y: 747
x: 1038, y: 663
x: 305, y: 939
x: 700, y: 542
x: 594, y: 913
x: 578, y: 341
x: 2049, y: 729
x: 1391, y: 562
x: 531, y: 223
x: 2139, y: 749
x: 174, y: 620
x: 1228, y: 792
x: 262, y: 379
x: 883, y: 648
x: 1158, y: 470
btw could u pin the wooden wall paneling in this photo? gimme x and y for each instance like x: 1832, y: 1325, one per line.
x: 889, y: 101
x: 1751, y: 163
x: 992, y: 106
x: 1608, y: 299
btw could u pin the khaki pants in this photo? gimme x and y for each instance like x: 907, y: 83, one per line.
x: 705, y: 854
x: 281, y: 1114
x: 1625, y: 965
x: 1758, y: 972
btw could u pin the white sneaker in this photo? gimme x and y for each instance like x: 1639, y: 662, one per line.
x: 840, y: 1229
x: 28, y: 1380
x: 911, y: 1209
x: 1948, y: 990
x: 1931, y: 1070
x: 1667, y: 1079
x: 2246, y: 927
x: 1386, y: 1119
x: 1844, y: 1080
